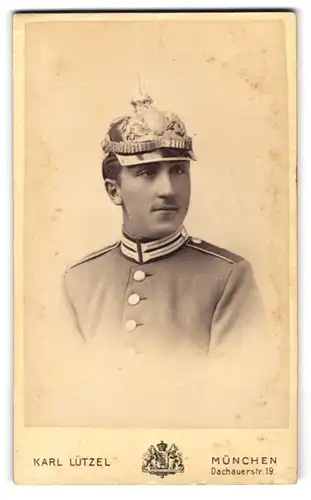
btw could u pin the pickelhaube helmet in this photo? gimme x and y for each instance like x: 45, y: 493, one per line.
x: 147, y: 135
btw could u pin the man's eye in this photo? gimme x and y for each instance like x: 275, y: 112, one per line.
x: 178, y: 170
x: 146, y: 173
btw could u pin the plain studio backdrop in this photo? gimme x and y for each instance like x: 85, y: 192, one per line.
x: 227, y: 81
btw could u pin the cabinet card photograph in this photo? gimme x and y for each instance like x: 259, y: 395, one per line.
x: 155, y: 248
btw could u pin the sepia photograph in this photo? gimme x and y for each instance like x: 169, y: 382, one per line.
x: 155, y: 230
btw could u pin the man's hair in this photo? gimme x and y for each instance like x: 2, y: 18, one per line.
x: 111, y: 168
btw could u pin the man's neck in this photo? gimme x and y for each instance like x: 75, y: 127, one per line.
x: 146, y: 239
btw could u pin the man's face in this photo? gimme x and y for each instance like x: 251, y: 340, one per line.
x: 155, y: 198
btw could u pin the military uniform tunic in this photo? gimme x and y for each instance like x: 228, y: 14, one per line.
x: 175, y: 292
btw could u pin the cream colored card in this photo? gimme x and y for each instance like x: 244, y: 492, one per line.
x: 163, y: 399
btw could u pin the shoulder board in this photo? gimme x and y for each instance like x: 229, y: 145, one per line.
x: 208, y: 248
x: 93, y: 255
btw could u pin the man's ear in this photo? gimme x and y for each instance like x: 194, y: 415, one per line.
x: 113, y: 190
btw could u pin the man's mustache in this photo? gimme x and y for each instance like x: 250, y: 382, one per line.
x: 164, y: 206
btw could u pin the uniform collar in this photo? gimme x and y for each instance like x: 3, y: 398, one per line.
x: 142, y: 252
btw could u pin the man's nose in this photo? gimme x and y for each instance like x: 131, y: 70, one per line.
x: 164, y: 184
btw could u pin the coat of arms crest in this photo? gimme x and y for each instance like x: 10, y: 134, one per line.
x: 161, y: 460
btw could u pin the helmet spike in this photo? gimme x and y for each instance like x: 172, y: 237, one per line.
x: 140, y: 89
x: 142, y: 98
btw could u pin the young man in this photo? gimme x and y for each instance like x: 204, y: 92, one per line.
x: 158, y: 288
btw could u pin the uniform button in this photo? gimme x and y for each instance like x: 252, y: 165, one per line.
x: 196, y: 240
x: 133, y: 299
x: 139, y: 275
x: 130, y: 325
